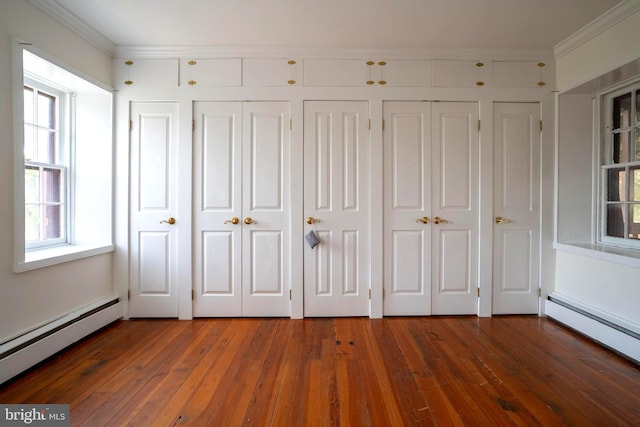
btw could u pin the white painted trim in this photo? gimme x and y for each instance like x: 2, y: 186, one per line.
x: 600, y: 332
x: 596, y: 27
x: 69, y: 20
x: 58, y: 255
x: 618, y: 255
x: 29, y: 356
x: 195, y: 52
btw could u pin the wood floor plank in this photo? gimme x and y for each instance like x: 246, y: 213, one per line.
x: 419, y: 371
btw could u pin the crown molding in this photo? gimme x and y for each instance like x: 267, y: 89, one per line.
x: 327, y: 52
x: 596, y: 27
x: 69, y: 20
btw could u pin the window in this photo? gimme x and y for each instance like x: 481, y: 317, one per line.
x: 64, y: 178
x: 620, y: 170
x: 45, y: 172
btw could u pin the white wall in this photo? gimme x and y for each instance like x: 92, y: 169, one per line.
x: 31, y: 298
x: 608, y: 281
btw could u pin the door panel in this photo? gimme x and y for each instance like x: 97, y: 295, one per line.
x: 154, y: 194
x: 265, y: 192
x: 336, y: 184
x: 516, y: 208
x: 241, y: 152
x: 407, y: 169
x: 217, y: 200
x: 455, y: 150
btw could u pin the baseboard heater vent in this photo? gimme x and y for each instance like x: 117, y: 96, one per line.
x: 613, y: 335
x: 25, y: 351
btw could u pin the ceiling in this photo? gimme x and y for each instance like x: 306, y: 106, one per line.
x: 343, y: 24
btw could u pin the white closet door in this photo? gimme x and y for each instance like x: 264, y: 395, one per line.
x: 454, y: 208
x: 516, y: 208
x: 336, y: 194
x: 155, y: 227
x: 265, y: 210
x: 407, y: 201
x: 217, y: 184
x: 241, y: 213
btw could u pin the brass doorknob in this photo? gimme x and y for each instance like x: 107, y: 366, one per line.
x: 248, y: 221
x: 500, y: 220
x: 312, y: 220
x: 424, y: 220
x: 233, y: 220
x: 170, y: 221
x: 438, y: 220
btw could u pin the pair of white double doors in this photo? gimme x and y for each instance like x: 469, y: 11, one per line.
x: 241, y: 209
x: 431, y: 187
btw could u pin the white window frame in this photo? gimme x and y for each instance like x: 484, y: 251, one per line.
x: 605, y: 163
x: 65, y: 144
x: 89, y: 215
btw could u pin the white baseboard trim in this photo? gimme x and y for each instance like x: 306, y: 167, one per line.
x: 600, y: 331
x: 38, y: 350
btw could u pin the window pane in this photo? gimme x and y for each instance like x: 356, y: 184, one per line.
x: 29, y: 142
x: 28, y: 105
x: 638, y: 105
x: 622, y: 111
x: 635, y: 184
x: 616, y: 185
x: 52, y: 224
x: 31, y: 184
x: 634, y: 225
x: 621, y: 147
x: 638, y: 144
x: 51, y: 185
x: 32, y: 222
x: 46, y: 146
x: 615, y: 220
x: 46, y: 110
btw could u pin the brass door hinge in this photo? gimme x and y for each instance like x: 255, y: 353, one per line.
x: 290, y: 124
x: 478, y: 292
x: 382, y: 124
x: 193, y: 125
x: 540, y: 125
x: 369, y: 124
x: 290, y: 294
x: 369, y: 293
x: 539, y: 292
x: 479, y: 125
x: 128, y: 294
x: 130, y: 125
x: 193, y: 295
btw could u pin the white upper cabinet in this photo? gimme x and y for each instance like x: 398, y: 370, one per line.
x: 221, y: 72
x: 523, y: 74
x: 258, y: 72
x: 145, y: 73
x: 336, y: 72
x: 451, y: 73
x: 404, y: 73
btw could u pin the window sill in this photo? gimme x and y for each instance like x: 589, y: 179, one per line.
x: 57, y: 255
x: 625, y: 256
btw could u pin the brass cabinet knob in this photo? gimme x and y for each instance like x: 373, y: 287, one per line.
x: 312, y: 220
x: 438, y: 220
x: 169, y: 221
x: 424, y: 220
x: 233, y: 220
x: 248, y: 221
x: 500, y: 220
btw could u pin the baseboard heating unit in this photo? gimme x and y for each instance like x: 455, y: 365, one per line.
x: 27, y: 350
x: 616, y: 334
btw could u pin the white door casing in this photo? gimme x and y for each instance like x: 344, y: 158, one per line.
x: 241, y: 209
x: 516, y: 241
x: 407, y: 201
x: 154, y: 225
x: 454, y: 208
x: 336, y: 194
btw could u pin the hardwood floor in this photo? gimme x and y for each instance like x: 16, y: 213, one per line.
x: 458, y: 371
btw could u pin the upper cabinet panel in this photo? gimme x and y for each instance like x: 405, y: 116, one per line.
x: 211, y: 72
x: 522, y: 74
x: 270, y: 72
x: 450, y: 73
x: 146, y: 73
x: 403, y: 73
x: 336, y: 72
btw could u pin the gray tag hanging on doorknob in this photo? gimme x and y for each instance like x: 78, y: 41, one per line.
x: 312, y: 238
